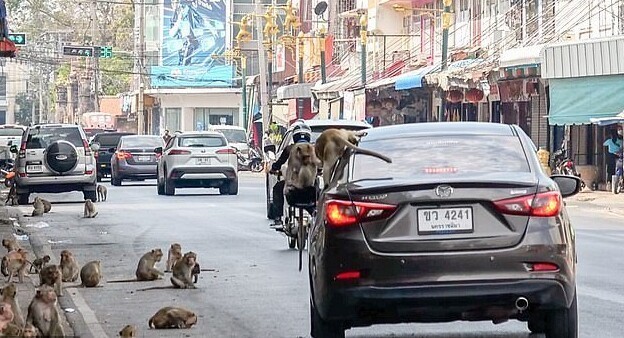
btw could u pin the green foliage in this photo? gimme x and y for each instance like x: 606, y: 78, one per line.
x: 62, y: 74
x: 116, y: 74
x: 25, y: 103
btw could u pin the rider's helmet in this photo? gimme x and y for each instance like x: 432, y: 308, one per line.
x: 301, y: 132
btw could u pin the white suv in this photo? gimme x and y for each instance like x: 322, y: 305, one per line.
x: 55, y: 158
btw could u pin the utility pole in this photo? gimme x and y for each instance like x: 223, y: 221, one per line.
x: 41, y: 119
x: 141, y: 61
x: 262, y: 67
x: 300, y: 75
x: 96, y: 57
x: 363, y: 40
x: 447, y: 19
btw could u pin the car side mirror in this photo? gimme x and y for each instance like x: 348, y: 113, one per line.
x: 13, y: 149
x: 158, y: 150
x: 568, y: 185
x: 112, y: 150
x: 95, y: 146
x: 269, y: 148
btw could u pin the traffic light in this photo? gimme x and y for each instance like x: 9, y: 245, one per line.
x: 106, y: 52
x: 18, y: 38
x: 78, y: 50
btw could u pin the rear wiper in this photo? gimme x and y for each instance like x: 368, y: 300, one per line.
x: 196, y: 145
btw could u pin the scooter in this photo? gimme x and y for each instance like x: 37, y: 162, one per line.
x: 252, y: 162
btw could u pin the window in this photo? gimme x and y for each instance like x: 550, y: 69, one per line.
x: 3, y: 86
x: 141, y: 142
x: 213, y: 116
x: 234, y: 135
x: 201, y: 118
x: 172, y: 119
x: 10, y: 131
x: 41, y: 138
x: 202, y: 141
x: 441, y: 156
x: 108, y: 139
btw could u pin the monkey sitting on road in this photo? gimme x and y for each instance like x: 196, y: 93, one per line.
x: 39, y: 263
x: 12, y: 197
x: 42, y: 313
x: 174, y: 254
x: 51, y: 275
x: 10, y: 244
x: 9, y: 296
x: 302, y: 168
x: 128, y: 331
x: 183, y: 271
x: 146, y: 270
x: 91, y: 274
x: 333, y: 142
x: 30, y: 331
x: 172, y: 318
x: 102, y: 192
x: 47, y: 206
x: 15, y: 262
x: 6, y: 315
x: 69, y: 267
x: 38, y: 208
x: 12, y: 330
x: 89, y: 209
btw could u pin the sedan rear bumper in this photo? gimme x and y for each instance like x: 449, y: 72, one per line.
x: 138, y: 171
x: 202, y: 173
x: 367, y: 305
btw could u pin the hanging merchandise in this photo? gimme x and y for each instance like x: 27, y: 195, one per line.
x: 455, y: 96
x: 474, y: 95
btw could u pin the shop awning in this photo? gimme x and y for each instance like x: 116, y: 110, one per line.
x: 529, y: 55
x: 331, y: 90
x: 414, y: 78
x: 295, y: 91
x: 385, y: 82
x: 469, y: 73
x: 578, y: 100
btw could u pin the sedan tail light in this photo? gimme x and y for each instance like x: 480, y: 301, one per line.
x: 546, y: 204
x: 226, y: 151
x: 121, y: 155
x: 179, y: 152
x: 346, y: 213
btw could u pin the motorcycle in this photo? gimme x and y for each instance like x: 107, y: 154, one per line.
x: 253, y: 161
x: 565, y: 166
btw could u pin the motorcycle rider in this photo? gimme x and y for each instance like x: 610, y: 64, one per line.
x: 301, y: 134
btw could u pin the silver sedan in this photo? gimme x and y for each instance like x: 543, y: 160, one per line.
x: 197, y: 160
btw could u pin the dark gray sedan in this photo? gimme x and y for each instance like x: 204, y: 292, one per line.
x: 462, y: 225
x: 134, y: 158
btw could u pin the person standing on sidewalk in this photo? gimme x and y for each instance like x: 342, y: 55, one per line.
x: 614, y: 149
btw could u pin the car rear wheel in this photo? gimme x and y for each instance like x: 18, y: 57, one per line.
x: 562, y: 323
x: 324, y: 329
x: 160, y: 187
x: 292, y: 241
x: 90, y: 195
x: 233, y: 187
x: 115, y: 180
x: 22, y: 199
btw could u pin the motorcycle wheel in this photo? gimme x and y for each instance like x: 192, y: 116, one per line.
x: 256, y: 167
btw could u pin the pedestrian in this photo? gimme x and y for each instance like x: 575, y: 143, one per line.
x: 614, y: 148
x: 166, y: 137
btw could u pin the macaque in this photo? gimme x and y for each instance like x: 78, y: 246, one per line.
x: 128, y: 331
x: 89, y: 209
x: 91, y: 274
x: 172, y: 318
x: 51, y: 275
x: 6, y: 315
x: 102, y: 192
x: 12, y: 196
x: 47, y: 206
x: 332, y: 144
x: 69, y: 267
x: 145, y: 270
x: 302, y: 167
x: 39, y: 263
x: 43, y: 314
x: 175, y: 253
x: 10, y: 244
x: 15, y: 262
x: 38, y: 208
x: 30, y: 331
x: 9, y: 296
x: 12, y: 330
x: 183, y: 270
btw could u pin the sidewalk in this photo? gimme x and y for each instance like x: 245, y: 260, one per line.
x: 602, y: 199
x: 9, y: 227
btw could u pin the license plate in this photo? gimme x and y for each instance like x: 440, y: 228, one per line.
x: 203, y: 161
x: 34, y: 168
x: 445, y: 221
x: 143, y: 158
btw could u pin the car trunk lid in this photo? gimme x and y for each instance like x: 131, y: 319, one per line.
x: 456, y: 213
x: 140, y: 156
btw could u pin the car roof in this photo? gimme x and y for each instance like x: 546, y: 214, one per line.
x: 55, y: 125
x: 140, y: 136
x: 200, y: 133
x: 225, y: 126
x: 12, y: 126
x: 439, y: 129
x: 114, y: 133
x: 335, y: 123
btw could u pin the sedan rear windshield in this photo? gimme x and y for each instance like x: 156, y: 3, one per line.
x: 41, y: 138
x: 443, y: 156
x: 11, y: 132
x: 142, y: 142
x: 202, y: 141
x: 318, y: 130
x: 106, y: 139
x: 234, y: 135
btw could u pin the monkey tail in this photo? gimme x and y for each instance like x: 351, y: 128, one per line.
x: 150, y: 323
x: 367, y: 152
x: 123, y: 281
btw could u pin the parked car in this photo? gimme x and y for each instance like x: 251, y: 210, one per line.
x: 462, y: 225
x: 105, y: 141
x: 317, y: 127
x: 10, y: 134
x: 197, y: 160
x: 54, y: 158
x: 134, y: 158
x: 236, y: 136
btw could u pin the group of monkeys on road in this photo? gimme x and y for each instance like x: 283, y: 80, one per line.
x: 42, y: 206
x: 43, y: 319
x: 305, y: 158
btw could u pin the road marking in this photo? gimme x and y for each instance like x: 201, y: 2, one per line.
x: 601, y: 294
x: 87, y: 314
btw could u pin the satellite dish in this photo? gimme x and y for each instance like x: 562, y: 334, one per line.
x: 320, y: 8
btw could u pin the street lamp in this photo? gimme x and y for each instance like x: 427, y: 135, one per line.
x: 363, y: 38
x: 300, y: 75
x: 321, y: 34
x: 447, y: 20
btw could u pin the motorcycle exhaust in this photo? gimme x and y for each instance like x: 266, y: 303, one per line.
x: 522, y: 304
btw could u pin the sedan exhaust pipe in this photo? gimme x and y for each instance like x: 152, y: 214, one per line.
x: 522, y: 304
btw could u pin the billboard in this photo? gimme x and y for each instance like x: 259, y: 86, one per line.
x: 193, y: 30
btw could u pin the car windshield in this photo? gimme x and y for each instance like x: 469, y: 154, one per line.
x: 107, y: 139
x: 142, y: 142
x: 442, y: 156
x: 41, y: 138
x: 201, y: 141
x: 11, y: 132
x: 234, y: 135
x: 318, y: 130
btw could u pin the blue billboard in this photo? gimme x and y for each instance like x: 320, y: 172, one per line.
x: 193, y: 30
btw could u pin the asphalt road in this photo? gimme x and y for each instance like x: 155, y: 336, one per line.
x: 256, y: 290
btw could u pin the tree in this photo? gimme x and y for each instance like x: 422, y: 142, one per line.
x: 23, y: 115
x: 116, y: 75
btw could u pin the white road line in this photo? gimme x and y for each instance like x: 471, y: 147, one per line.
x: 601, y: 294
x: 87, y: 314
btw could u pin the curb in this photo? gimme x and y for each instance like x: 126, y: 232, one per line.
x: 41, y: 248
